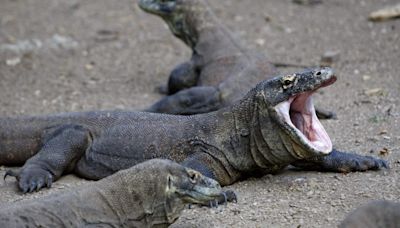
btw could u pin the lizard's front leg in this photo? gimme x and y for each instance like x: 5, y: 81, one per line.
x: 342, y: 162
x: 62, y: 148
x: 183, y: 76
x: 200, y: 99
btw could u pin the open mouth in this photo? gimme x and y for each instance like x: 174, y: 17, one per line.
x: 299, y: 114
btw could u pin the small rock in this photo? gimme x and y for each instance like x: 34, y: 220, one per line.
x: 89, y: 66
x: 307, y: 2
x: 260, y: 41
x: 104, y: 35
x: 366, y: 77
x: 13, y: 62
x: 383, y: 132
x: 374, y: 92
x: 329, y: 57
x: 384, y: 152
x: 384, y: 14
x: 235, y: 211
x: 267, y: 18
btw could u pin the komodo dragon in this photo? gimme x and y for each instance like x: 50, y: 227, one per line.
x: 274, y: 125
x: 220, y: 71
x: 150, y: 194
x: 377, y: 214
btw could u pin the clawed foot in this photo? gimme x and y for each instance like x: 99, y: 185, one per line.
x: 343, y: 162
x: 224, y: 198
x: 362, y: 163
x: 349, y: 162
x: 31, y: 179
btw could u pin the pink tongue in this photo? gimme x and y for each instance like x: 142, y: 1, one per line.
x: 301, y: 116
x: 304, y: 123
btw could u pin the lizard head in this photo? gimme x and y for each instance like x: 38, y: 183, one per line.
x: 191, y: 186
x: 182, y: 16
x: 289, y: 103
x: 164, y: 188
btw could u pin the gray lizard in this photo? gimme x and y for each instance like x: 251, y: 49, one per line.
x: 220, y: 71
x: 376, y: 214
x: 150, y: 194
x: 272, y: 126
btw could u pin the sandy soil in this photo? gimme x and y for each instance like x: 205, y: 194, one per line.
x: 58, y: 56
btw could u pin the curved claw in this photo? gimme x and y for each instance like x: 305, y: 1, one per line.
x: 49, y: 180
x: 11, y: 173
x: 385, y: 164
x: 371, y: 163
x: 379, y: 163
x: 231, y: 196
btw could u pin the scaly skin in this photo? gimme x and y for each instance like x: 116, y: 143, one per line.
x: 220, y: 71
x: 377, y: 214
x: 150, y: 194
x: 250, y: 138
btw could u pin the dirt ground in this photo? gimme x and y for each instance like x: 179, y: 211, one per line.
x: 59, y: 56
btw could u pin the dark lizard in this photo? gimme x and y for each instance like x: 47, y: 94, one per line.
x: 220, y: 71
x: 376, y: 214
x: 150, y: 194
x: 272, y: 126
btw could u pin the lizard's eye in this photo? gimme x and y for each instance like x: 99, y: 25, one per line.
x: 288, y: 81
x: 193, y: 176
x: 317, y: 73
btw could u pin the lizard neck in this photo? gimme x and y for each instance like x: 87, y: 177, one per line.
x: 203, y: 33
x: 267, y: 145
x: 215, y: 42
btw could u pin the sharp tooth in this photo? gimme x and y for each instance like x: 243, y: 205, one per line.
x: 318, y: 144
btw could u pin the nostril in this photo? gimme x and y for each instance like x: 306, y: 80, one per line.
x: 318, y: 73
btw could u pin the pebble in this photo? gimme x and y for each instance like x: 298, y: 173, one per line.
x: 329, y: 57
x: 260, y: 41
x: 366, y: 77
x: 13, y: 62
x: 307, y: 2
x: 374, y: 92
x: 384, y: 151
x: 387, y: 13
x: 104, y: 35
